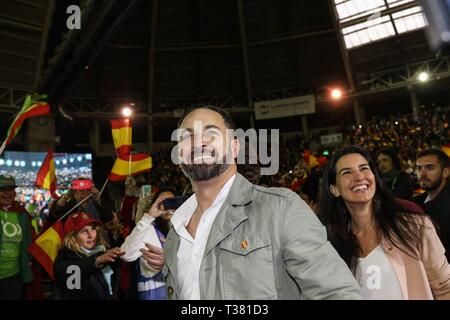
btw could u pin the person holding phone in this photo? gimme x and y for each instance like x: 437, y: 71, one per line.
x: 79, y: 190
x: 151, y: 230
x: 234, y: 240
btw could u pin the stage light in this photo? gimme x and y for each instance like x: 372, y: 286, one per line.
x: 79, y: 158
x: 290, y: 171
x: 336, y: 94
x: 57, y: 162
x: 88, y: 156
x: 64, y: 161
x: 396, y: 123
x: 9, y: 163
x: 360, y: 126
x: 22, y: 164
x: 2, y: 162
x: 39, y: 163
x: 33, y: 163
x: 71, y: 160
x: 127, y: 112
x: 16, y: 163
x: 423, y: 77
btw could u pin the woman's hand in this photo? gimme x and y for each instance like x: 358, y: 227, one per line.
x: 157, y: 209
x: 109, y: 256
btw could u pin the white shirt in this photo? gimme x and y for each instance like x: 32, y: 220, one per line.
x: 377, y: 278
x: 144, y: 232
x: 190, y: 252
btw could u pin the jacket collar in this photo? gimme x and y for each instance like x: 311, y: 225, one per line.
x: 232, y: 212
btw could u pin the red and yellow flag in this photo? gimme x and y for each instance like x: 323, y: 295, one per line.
x: 130, y: 165
x: 46, y: 177
x: 45, y: 248
x: 446, y: 149
x: 32, y: 107
x: 122, y: 133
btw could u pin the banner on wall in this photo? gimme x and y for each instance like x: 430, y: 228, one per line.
x: 285, y: 107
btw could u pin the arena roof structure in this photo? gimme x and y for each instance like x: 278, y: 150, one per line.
x: 164, y: 56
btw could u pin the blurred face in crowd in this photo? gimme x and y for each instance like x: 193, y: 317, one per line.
x: 385, y: 163
x: 430, y: 173
x: 355, y: 181
x: 7, y: 195
x: 81, y: 194
x: 204, y: 145
x: 87, y: 237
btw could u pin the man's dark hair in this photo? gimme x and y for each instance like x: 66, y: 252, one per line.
x: 229, y: 123
x: 441, y: 155
x: 391, y: 153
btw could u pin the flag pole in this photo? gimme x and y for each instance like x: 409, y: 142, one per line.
x: 129, y: 165
x: 2, y: 148
x: 103, y: 188
x: 75, y: 206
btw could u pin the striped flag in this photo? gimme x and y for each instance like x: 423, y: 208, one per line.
x: 124, y: 166
x: 446, y: 149
x: 46, y: 177
x: 45, y: 248
x: 32, y: 107
x: 122, y: 133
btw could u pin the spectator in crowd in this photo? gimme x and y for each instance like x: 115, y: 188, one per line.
x: 79, y: 191
x: 235, y: 240
x: 433, y: 171
x: 83, y: 268
x: 151, y: 230
x: 371, y: 230
x: 15, y: 237
x: 400, y: 183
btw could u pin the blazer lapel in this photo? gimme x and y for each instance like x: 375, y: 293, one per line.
x: 398, y: 266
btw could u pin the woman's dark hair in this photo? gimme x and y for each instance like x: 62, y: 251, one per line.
x: 393, y: 223
x: 161, y: 224
x: 391, y: 153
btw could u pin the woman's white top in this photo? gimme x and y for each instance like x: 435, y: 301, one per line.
x: 377, y: 278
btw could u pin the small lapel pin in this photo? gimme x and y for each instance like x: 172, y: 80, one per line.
x: 244, y: 244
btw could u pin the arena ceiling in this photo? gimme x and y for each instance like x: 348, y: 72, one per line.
x: 163, y: 56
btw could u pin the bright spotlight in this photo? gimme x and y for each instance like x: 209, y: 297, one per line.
x: 336, y: 94
x: 64, y: 161
x: 71, y: 160
x: 423, y: 77
x: 39, y: 163
x: 16, y: 163
x: 126, y: 112
x: 33, y: 163
x: 79, y: 158
x: 22, y: 164
x: 9, y: 163
x: 57, y: 162
x: 2, y: 162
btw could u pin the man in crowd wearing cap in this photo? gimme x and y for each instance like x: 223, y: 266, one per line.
x: 15, y: 237
x: 433, y: 171
x: 79, y: 190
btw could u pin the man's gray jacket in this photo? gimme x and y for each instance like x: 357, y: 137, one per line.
x: 265, y: 243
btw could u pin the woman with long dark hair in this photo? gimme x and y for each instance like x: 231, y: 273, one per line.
x: 394, y: 253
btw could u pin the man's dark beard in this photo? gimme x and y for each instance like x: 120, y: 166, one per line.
x: 435, y: 185
x: 203, y: 171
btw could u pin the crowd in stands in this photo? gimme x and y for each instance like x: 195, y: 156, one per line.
x: 301, y: 165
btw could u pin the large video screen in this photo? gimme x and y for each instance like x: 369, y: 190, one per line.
x: 24, y: 166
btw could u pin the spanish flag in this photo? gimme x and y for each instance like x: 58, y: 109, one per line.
x: 130, y: 165
x: 46, y: 177
x: 122, y: 133
x: 32, y: 107
x: 45, y: 248
x: 446, y: 149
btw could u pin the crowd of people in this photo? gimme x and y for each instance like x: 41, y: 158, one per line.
x: 381, y: 195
